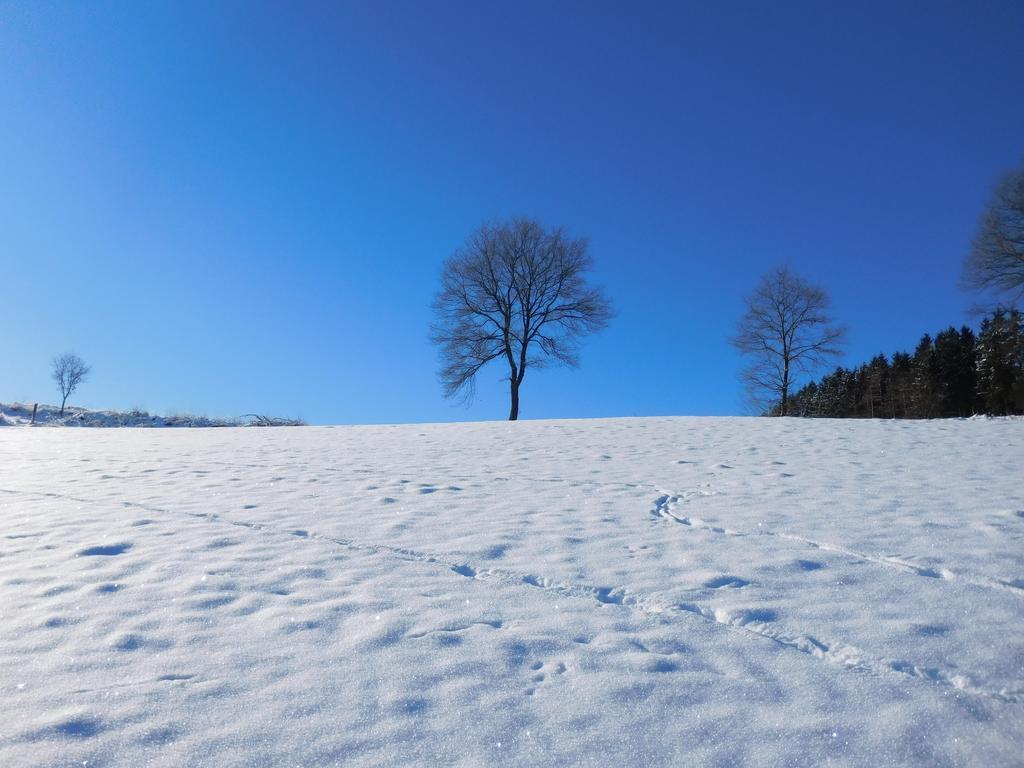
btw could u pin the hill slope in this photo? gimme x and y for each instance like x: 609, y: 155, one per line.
x: 612, y: 592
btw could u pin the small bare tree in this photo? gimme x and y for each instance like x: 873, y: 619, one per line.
x: 995, y: 263
x: 514, y: 292
x: 785, y: 331
x: 69, y: 370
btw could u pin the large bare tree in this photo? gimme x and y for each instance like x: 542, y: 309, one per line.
x: 995, y: 263
x: 518, y: 293
x: 69, y: 370
x: 785, y: 331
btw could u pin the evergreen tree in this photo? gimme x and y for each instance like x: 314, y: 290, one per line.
x: 924, y: 398
x: 832, y: 395
x: 955, y: 385
x: 901, y: 385
x: 1000, y: 363
x: 876, y: 383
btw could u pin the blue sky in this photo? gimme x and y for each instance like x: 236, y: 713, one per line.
x: 241, y: 207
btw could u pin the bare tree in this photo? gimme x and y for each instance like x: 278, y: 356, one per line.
x: 69, y: 370
x: 514, y: 292
x: 995, y: 263
x: 785, y: 331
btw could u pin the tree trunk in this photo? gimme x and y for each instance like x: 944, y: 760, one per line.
x: 514, y: 391
x: 784, y: 408
x: 62, y: 404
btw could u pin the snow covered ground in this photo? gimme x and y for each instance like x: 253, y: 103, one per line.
x: 20, y: 415
x: 720, y: 592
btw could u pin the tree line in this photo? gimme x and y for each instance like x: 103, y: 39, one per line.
x: 954, y: 373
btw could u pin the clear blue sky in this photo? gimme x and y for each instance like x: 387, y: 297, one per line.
x: 229, y: 207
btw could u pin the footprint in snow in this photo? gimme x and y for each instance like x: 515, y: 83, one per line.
x: 931, y: 630
x: 129, y: 642
x: 495, y: 552
x: 746, y: 616
x: 105, y: 550
x: 81, y: 727
x: 725, y: 580
x: 609, y: 596
x: 808, y: 565
x: 543, y: 672
x: 661, y: 666
x: 221, y: 542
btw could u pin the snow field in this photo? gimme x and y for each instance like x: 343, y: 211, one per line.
x: 608, y: 592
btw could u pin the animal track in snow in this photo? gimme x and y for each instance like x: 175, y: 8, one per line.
x: 762, y: 622
x: 665, y: 505
x: 543, y: 672
x: 493, y: 624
